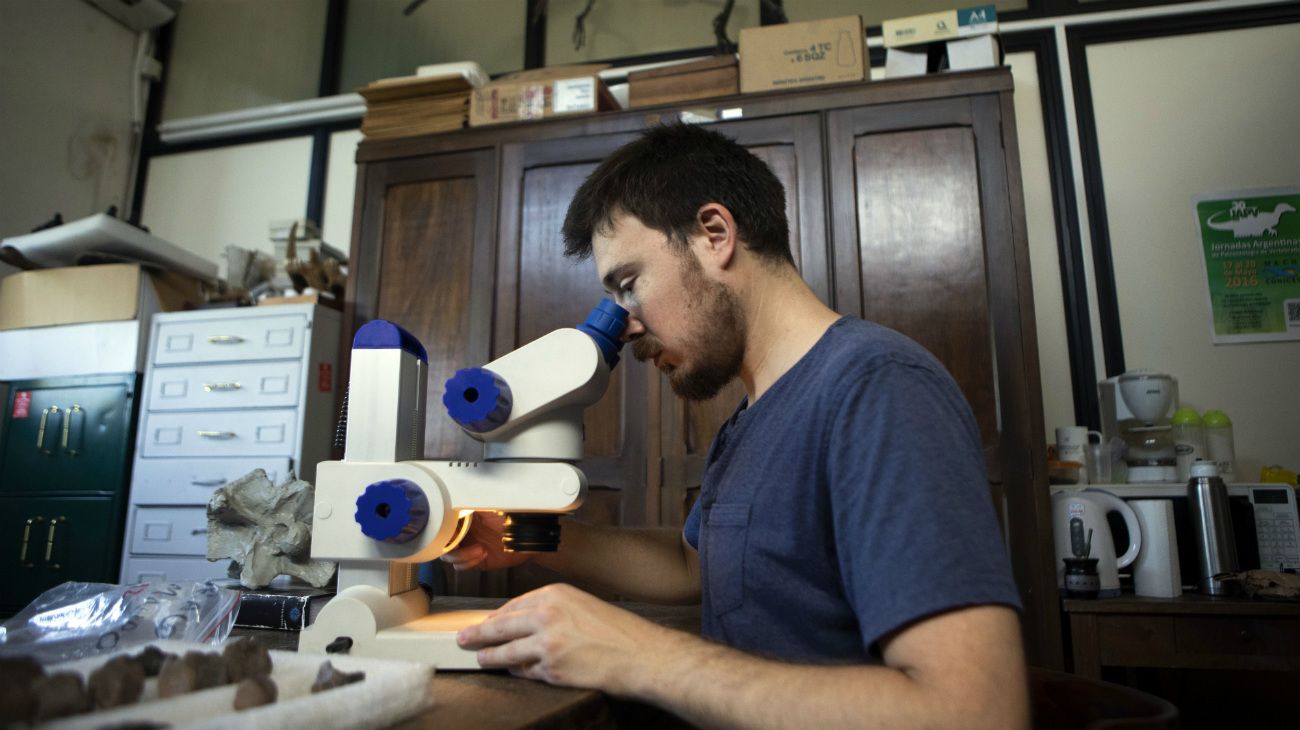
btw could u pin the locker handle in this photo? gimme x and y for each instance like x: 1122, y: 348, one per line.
x: 67, y: 426
x: 27, y: 533
x: 208, y: 482
x: 225, y: 339
x: 40, y: 429
x: 222, y: 435
x: 209, y: 387
x: 49, y: 544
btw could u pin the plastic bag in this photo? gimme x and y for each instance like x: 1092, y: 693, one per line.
x: 76, y: 620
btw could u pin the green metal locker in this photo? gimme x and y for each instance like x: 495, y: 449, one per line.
x: 65, y: 460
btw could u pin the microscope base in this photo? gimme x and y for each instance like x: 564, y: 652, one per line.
x: 393, y: 627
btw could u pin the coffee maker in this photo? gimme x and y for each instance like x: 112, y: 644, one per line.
x: 1137, y: 407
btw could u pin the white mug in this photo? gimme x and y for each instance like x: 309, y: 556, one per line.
x: 1072, y: 443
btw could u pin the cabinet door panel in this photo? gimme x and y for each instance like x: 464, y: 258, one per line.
x: 424, y: 258
x: 909, y: 228
x: 47, y: 541
x: 539, y: 290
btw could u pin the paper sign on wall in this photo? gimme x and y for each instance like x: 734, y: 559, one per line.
x: 1250, y: 243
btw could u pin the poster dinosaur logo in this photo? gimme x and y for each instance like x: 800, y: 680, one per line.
x: 1246, y: 220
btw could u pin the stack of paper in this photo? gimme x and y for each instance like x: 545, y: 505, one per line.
x: 421, y: 104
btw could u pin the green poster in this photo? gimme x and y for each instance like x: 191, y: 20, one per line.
x: 1251, y: 244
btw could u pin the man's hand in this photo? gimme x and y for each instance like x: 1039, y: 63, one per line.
x: 481, y: 549
x: 561, y: 635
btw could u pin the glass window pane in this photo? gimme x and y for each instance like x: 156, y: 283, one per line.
x: 235, y: 54
x: 379, y: 41
x: 617, y: 28
x: 204, y: 201
x: 874, y: 12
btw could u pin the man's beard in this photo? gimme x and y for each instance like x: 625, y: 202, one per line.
x: 716, y: 337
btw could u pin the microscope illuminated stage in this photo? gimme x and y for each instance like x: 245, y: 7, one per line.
x: 383, y: 509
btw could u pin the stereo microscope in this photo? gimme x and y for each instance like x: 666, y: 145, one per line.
x: 383, y: 509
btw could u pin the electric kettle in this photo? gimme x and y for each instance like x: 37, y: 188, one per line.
x: 1081, y: 530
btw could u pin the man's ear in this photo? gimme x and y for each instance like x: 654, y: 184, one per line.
x: 717, y: 237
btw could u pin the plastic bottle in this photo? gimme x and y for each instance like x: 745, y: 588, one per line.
x: 1188, y: 433
x: 1219, y: 443
x: 1211, y: 522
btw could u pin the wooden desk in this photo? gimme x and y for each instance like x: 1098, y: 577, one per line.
x: 1188, y: 632
x: 498, y: 701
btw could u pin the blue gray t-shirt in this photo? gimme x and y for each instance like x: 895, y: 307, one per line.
x: 848, y: 502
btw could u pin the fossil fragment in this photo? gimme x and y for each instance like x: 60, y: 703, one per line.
x: 59, y: 695
x: 246, y: 658
x: 266, y: 528
x: 194, y: 671
x: 329, y: 677
x: 118, y: 681
x: 254, y: 691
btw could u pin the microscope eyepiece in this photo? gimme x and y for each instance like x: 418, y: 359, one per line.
x: 605, y: 325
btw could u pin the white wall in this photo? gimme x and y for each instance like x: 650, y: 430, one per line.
x: 65, y: 111
x: 1175, y: 117
x: 205, y: 201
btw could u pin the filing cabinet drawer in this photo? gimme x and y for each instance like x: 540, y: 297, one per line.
x: 220, y: 433
x: 170, y: 531
x: 192, y: 481
x: 178, y: 570
x: 227, y: 340
x: 1238, y: 635
x: 246, y: 385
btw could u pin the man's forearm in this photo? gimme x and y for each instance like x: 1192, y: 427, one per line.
x: 712, y: 685
x: 644, y: 564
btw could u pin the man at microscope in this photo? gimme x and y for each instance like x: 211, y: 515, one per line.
x: 843, y: 579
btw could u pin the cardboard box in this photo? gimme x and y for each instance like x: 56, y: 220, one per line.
x: 710, y: 77
x: 103, y: 293
x: 941, y: 26
x: 956, y: 55
x: 541, y: 94
x: 811, y: 53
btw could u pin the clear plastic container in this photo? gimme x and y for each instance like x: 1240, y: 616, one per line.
x: 1219, y: 443
x: 1188, y: 432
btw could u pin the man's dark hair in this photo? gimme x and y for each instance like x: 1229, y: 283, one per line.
x: 664, y: 177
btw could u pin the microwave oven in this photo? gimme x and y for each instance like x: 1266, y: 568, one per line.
x: 1265, y: 523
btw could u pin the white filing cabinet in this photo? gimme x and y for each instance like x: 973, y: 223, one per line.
x: 226, y: 391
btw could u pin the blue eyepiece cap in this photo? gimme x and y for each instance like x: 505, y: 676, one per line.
x: 605, y: 325
x: 478, y: 399
x: 392, y: 511
x: 380, y: 334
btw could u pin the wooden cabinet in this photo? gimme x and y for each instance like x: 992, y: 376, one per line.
x: 905, y: 207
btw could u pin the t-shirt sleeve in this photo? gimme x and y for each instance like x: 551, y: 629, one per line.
x: 915, y: 530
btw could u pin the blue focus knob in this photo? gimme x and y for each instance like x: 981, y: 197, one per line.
x: 605, y: 325
x: 392, y: 511
x: 478, y: 399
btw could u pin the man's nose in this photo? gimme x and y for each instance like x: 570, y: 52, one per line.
x: 634, y: 329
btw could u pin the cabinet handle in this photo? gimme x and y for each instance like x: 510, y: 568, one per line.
x: 220, y: 435
x: 198, y: 531
x: 27, y: 533
x: 209, y: 387
x: 40, y: 429
x: 208, y: 482
x: 225, y: 339
x: 49, y: 544
x: 67, y: 427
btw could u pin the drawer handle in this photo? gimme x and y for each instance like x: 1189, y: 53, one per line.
x: 219, y: 435
x: 209, y: 387
x: 27, y: 533
x: 40, y: 429
x: 67, y: 427
x: 208, y: 482
x: 225, y: 339
x: 198, y: 531
x: 49, y: 544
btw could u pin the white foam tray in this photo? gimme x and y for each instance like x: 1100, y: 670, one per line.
x: 392, y: 691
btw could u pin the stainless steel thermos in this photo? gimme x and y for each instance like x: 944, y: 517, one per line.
x: 1216, y: 550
